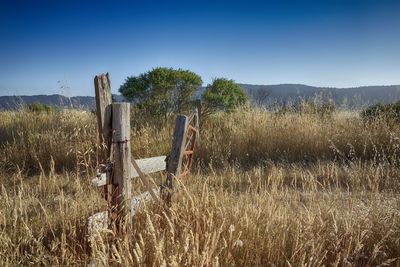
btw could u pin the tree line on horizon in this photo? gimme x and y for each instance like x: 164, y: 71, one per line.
x: 163, y: 91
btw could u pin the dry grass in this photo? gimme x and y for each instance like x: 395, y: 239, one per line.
x: 28, y: 141
x: 256, y: 136
x: 283, y: 190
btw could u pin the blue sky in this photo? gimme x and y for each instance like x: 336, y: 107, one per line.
x: 49, y: 47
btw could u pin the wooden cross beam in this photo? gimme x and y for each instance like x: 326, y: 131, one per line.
x: 146, y: 165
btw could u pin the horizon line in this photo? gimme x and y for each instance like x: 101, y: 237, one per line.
x: 240, y: 83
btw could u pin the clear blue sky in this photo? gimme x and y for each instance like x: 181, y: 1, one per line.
x: 47, y: 45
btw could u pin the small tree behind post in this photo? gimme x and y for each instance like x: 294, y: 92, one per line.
x: 175, y: 158
x: 122, y: 163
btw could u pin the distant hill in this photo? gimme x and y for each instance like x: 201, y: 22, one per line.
x: 268, y: 95
x: 353, y: 98
x: 17, y: 102
x: 76, y: 102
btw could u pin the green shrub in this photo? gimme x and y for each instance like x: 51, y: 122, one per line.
x: 162, y: 91
x: 41, y: 108
x: 223, y: 94
x: 382, y: 111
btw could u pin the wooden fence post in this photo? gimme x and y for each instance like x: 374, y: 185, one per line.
x: 175, y: 158
x: 103, y: 109
x: 122, y: 163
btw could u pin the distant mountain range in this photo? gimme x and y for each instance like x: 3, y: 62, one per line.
x: 267, y: 95
x: 76, y: 102
x: 352, y: 98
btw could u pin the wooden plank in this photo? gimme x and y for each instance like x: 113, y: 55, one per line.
x: 175, y: 157
x: 193, y: 139
x: 99, y: 220
x: 144, y: 179
x: 147, y: 165
x: 103, y: 109
x: 192, y: 128
x: 100, y: 179
x: 138, y: 201
x: 122, y: 162
x: 150, y: 165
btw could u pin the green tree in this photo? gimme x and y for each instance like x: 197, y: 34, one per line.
x: 223, y: 94
x: 161, y: 91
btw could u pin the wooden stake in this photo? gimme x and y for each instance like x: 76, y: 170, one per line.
x: 103, y: 109
x: 175, y: 157
x: 122, y: 162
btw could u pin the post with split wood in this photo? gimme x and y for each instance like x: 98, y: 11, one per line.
x: 103, y: 104
x: 102, y: 88
x: 175, y: 158
x: 122, y: 164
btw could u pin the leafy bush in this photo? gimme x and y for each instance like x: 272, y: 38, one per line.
x: 41, y: 108
x: 382, y: 111
x: 162, y: 91
x: 223, y: 94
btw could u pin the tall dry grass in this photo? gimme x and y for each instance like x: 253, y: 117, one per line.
x: 281, y: 217
x: 267, y: 190
x: 251, y: 137
x: 245, y: 138
x: 28, y: 141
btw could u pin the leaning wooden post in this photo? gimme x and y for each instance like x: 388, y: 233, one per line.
x: 175, y: 158
x: 102, y: 87
x: 122, y: 163
x: 103, y: 109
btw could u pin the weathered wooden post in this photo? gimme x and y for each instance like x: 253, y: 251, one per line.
x: 102, y: 88
x: 104, y: 117
x: 103, y: 105
x: 121, y: 185
x: 175, y: 158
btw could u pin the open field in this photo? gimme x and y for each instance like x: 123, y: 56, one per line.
x: 267, y: 189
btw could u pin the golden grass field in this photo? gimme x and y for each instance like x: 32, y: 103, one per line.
x: 267, y: 189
